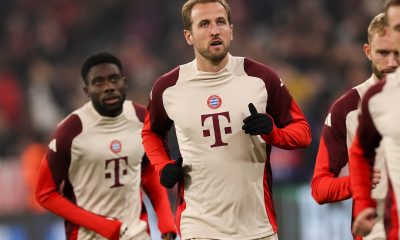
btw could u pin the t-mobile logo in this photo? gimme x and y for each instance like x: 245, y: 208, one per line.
x: 118, y: 168
x: 217, y: 128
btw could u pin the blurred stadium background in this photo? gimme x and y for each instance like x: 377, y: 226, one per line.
x: 315, y: 46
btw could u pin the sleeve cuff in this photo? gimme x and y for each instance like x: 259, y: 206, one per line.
x: 269, y: 138
x: 360, y: 205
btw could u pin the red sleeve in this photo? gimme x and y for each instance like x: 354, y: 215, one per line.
x: 291, y: 129
x: 333, y: 153
x: 48, y: 196
x: 362, y: 154
x: 361, y: 174
x: 159, y: 198
x: 295, y: 134
x: 157, y: 124
x: 154, y: 146
x: 53, y: 176
x: 326, y: 186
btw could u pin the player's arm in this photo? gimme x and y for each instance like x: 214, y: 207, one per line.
x: 283, y: 124
x: 53, y: 173
x: 290, y: 129
x: 326, y: 186
x: 159, y: 199
x: 155, y: 145
x: 48, y: 196
x: 155, y: 130
x: 362, y: 160
x: 332, y: 154
x: 361, y: 174
x: 361, y: 167
x: 294, y: 134
x: 157, y: 124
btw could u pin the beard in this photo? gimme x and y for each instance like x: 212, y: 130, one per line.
x: 215, y: 58
x: 109, y: 110
x: 381, y: 73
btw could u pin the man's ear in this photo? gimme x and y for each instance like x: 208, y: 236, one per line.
x: 188, y: 36
x: 367, y: 51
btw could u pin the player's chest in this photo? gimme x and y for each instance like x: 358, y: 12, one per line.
x: 106, y: 147
x: 208, y: 103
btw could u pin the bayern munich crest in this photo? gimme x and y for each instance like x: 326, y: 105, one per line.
x: 116, y: 146
x: 214, y: 102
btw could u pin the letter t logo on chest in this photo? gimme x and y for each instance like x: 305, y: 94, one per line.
x: 216, y: 126
x: 117, y: 170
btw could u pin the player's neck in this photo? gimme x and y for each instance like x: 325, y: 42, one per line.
x: 375, y: 78
x: 205, y: 65
x: 108, y: 113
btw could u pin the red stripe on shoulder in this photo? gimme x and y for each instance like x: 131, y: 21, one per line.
x: 346, y: 103
x: 156, y: 106
x: 279, y: 98
x: 68, y: 130
x: 335, y: 135
x: 59, y: 155
x: 165, y: 81
x: 372, y: 91
x: 256, y: 69
x: 367, y: 132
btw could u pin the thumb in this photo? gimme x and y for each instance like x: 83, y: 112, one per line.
x: 252, y: 109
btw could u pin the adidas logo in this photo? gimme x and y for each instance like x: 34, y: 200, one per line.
x: 53, y: 145
x: 328, y: 121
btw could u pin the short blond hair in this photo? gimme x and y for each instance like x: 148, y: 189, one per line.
x: 389, y: 3
x: 188, y: 6
x: 377, y: 26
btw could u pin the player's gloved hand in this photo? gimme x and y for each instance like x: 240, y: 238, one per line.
x: 257, y: 123
x: 168, y: 236
x: 172, y: 173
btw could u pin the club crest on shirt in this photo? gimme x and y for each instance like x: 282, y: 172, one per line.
x: 115, y: 146
x: 214, y: 102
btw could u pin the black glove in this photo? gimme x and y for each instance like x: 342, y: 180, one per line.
x: 172, y: 173
x: 257, y: 123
